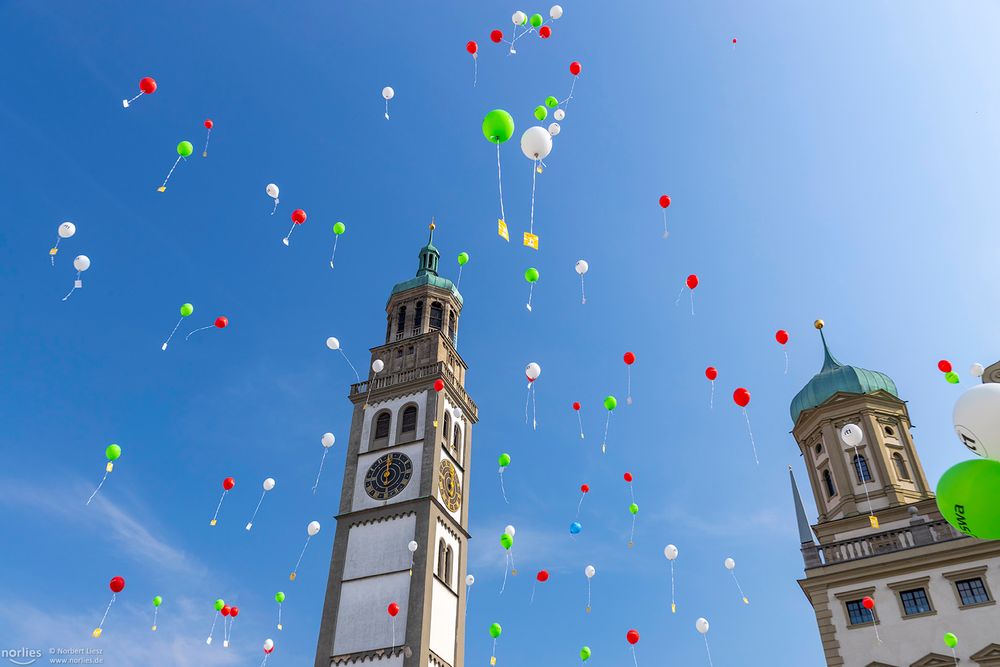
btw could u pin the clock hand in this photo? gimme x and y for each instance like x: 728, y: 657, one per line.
x: 388, y: 462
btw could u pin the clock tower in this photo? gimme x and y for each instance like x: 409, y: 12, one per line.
x: 405, y: 480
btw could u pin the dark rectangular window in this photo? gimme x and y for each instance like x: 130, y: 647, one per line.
x: 972, y: 591
x: 409, y: 419
x: 915, y: 601
x: 857, y: 614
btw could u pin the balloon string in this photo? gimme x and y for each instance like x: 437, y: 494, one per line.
x: 588, y: 593
x: 534, y: 174
x: 579, y: 420
x: 52, y: 255
x: 460, y: 267
x: 208, y: 136
x: 299, y: 561
x: 74, y: 286
x: 219, y: 506
x: 711, y: 397
x: 786, y: 361
x: 289, y: 234
x: 631, y: 535
x: 534, y: 413
x: 954, y: 656
x: 316, y: 485
x: 579, y: 505
x: 394, y: 633
x: 631, y: 493
x: 583, y: 291
x: 532, y: 599
x: 570, y: 96
x: 531, y: 289
x: 502, y: 490
x: 634, y: 661
x: 135, y: 98
x: 335, y: 239
x: 500, y: 183
x: 279, y: 615
x: 752, y: 443
x: 275, y: 206
x: 673, y: 597
x: 504, y: 584
x: 864, y: 481
x: 256, y: 509
x: 197, y: 330
x: 527, y: 399
x: 212, y: 631
x: 167, y: 342
x: 98, y: 488
x: 351, y: 365
x: 745, y: 599
x: 604, y: 444
x: 103, y: 618
x: 665, y: 232
x: 264, y: 661
x: 387, y: 109
x: 875, y: 625
x: 628, y: 398
x: 169, y: 173
x: 226, y: 624
x: 475, y: 65
x: 156, y: 610
x: 679, y: 295
x: 691, y: 294
x: 708, y: 651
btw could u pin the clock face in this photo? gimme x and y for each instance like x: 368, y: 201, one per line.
x: 388, y: 476
x: 449, y: 487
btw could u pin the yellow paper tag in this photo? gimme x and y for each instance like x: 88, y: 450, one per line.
x: 493, y: 660
x: 162, y: 188
x: 502, y: 229
x: 873, y: 520
x: 96, y: 633
x: 212, y: 522
x: 53, y: 251
x: 673, y: 608
x: 531, y: 240
x: 110, y: 466
x: 154, y: 628
x: 291, y: 577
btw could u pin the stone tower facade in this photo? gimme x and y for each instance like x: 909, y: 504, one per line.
x: 879, y: 534
x: 405, y: 479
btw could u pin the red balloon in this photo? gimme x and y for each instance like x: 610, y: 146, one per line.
x: 944, y: 366
x: 209, y: 123
x: 629, y: 358
x: 221, y: 322
x: 692, y: 281
x: 575, y: 68
x: 742, y: 397
x: 472, y: 47
x: 585, y: 488
x: 545, y: 32
x: 438, y: 385
x: 298, y: 216
x: 496, y: 36
x: 393, y: 609
x: 664, y: 201
x: 543, y: 575
x: 117, y: 584
x: 868, y: 602
x: 711, y: 373
x: 632, y: 636
x: 628, y: 477
x: 147, y: 85
x: 269, y: 651
x: 225, y: 611
x: 576, y: 405
x: 234, y: 611
x: 228, y: 483
x: 734, y: 40
x: 781, y: 336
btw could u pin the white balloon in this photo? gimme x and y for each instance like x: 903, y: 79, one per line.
x: 312, y: 528
x: 555, y: 12
x: 977, y: 420
x: 532, y: 370
x: 536, y: 143
x: 730, y: 564
x: 554, y: 129
x: 509, y: 530
x: 412, y: 546
x: 457, y: 412
x: 378, y: 365
x: 519, y: 18
x: 333, y: 343
x: 582, y: 266
x: 852, y: 435
x: 268, y: 644
x: 67, y: 229
x: 268, y: 483
x: 388, y: 92
x: 469, y: 580
x: 590, y: 571
x: 976, y: 370
x: 271, y: 190
x: 81, y: 263
x: 701, y: 625
x: 559, y: 114
x: 328, y: 440
x: 670, y: 551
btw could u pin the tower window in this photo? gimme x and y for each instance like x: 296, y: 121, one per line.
x: 889, y: 431
x: 437, y: 316
x: 401, y: 320
x: 381, y: 436
x: 442, y: 551
x: 831, y: 490
x: 447, y: 425
x: 972, y: 591
x: 861, y: 468
x: 451, y: 326
x: 409, y: 421
x: 857, y: 614
x: 915, y: 602
x: 819, y: 448
x: 456, y: 440
x: 900, y: 464
x: 418, y: 317
x: 448, y: 555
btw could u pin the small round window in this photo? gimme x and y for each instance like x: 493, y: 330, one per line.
x: 889, y: 431
x: 819, y: 448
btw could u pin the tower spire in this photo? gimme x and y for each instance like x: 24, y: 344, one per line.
x: 829, y: 361
x: 805, y: 533
x: 429, y: 255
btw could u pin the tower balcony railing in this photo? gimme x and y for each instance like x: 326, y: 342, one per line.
x: 917, y: 534
x: 412, y: 375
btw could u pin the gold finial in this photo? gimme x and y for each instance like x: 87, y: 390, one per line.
x: 818, y: 324
x: 432, y: 224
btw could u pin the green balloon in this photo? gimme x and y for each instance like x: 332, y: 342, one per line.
x: 185, y: 148
x: 551, y: 102
x: 339, y: 228
x: 157, y: 601
x: 113, y: 452
x: 585, y: 653
x: 495, y: 630
x: 633, y: 508
x: 506, y: 541
x: 531, y: 275
x: 504, y: 460
x: 279, y: 597
x: 610, y: 402
x: 536, y: 20
x: 950, y: 640
x: 186, y: 309
x: 541, y: 113
x: 219, y: 604
x: 498, y: 126
x: 463, y: 258
x: 968, y: 496
x: 951, y: 377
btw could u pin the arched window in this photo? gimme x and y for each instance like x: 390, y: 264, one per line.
x: 380, y: 438
x: 456, y: 439
x: 401, y: 320
x: 418, y: 317
x: 408, y: 424
x: 449, y: 554
x: 861, y: 468
x: 447, y: 425
x: 451, y: 326
x: 437, y: 316
x: 901, y: 471
x: 831, y: 490
x: 442, y: 557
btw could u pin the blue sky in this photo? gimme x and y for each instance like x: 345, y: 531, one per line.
x: 838, y: 163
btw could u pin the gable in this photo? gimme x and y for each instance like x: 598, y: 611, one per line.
x: 934, y: 660
x: 988, y: 655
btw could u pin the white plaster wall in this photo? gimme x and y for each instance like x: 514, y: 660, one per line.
x: 377, y: 548
x: 412, y: 490
x: 444, y: 620
x: 395, y: 407
x: 363, y: 624
x: 906, y: 641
